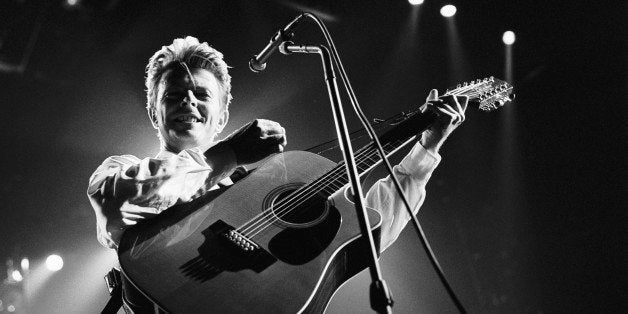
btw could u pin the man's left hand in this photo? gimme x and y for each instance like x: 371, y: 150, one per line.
x: 450, y: 110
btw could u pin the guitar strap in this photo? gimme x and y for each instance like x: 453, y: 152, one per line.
x: 114, y: 285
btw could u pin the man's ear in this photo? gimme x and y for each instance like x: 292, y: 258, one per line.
x: 222, y: 122
x: 152, y: 115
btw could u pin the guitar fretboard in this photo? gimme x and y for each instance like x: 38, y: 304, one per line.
x: 365, y: 159
x: 491, y: 94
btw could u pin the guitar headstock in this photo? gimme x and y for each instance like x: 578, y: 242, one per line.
x: 488, y: 93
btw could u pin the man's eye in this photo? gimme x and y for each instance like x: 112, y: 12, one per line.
x: 202, y: 95
x: 174, y: 96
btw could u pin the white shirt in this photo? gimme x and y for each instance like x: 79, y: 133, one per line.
x: 170, y: 179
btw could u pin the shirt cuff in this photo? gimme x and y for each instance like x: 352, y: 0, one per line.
x: 419, y: 160
x: 222, y: 160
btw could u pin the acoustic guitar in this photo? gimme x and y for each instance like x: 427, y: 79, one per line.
x: 281, y: 240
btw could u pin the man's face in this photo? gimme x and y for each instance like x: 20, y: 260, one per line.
x: 188, y: 110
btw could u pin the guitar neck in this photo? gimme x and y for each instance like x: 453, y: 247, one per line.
x: 367, y: 157
x: 489, y: 94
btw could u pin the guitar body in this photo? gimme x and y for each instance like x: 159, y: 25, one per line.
x: 238, y: 251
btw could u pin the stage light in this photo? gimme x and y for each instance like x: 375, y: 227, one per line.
x: 72, y: 2
x: 25, y: 264
x: 11, y: 308
x: 54, y: 262
x: 16, y: 275
x: 508, y: 38
x: 448, y: 10
x: 415, y: 2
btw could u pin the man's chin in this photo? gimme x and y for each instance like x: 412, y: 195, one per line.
x: 184, y: 138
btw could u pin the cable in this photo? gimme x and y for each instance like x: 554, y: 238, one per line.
x: 369, y: 129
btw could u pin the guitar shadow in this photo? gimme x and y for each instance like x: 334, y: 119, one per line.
x: 200, y: 270
x: 218, y: 254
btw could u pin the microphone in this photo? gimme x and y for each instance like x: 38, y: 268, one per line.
x: 258, y: 61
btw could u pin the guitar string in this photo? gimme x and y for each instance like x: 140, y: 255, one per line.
x: 298, y: 193
x: 290, y: 206
x: 287, y: 203
x: 368, y: 155
x: 288, y: 209
x: 314, y: 186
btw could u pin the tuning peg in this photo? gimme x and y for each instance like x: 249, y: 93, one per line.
x: 458, y: 86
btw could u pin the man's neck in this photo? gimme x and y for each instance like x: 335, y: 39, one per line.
x: 166, y: 148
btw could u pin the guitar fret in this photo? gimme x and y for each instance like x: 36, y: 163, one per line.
x: 335, y: 185
x: 360, y: 167
x: 329, y: 190
x: 372, y: 159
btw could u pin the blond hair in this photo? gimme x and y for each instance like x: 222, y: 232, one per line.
x: 196, y: 55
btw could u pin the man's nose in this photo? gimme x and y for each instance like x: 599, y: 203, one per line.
x: 190, y: 99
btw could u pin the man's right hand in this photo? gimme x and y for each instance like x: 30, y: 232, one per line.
x: 257, y: 140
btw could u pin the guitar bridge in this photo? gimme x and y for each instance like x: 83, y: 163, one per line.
x: 226, y: 249
x: 240, y: 240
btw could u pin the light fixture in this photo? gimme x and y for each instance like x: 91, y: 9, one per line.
x: 448, y: 10
x: 16, y: 276
x: 54, y: 262
x: 508, y: 38
x: 25, y: 264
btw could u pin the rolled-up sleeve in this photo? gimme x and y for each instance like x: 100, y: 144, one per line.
x: 413, y: 173
x: 100, y: 182
x: 159, y: 183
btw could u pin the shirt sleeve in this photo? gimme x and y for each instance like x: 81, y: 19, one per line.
x: 99, y: 183
x: 160, y: 183
x: 413, y: 173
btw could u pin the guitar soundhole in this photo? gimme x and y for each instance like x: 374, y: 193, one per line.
x: 297, y: 209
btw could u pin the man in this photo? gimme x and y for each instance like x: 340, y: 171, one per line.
x: 189, y: 92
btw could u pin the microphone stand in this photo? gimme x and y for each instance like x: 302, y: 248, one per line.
x: 381, y: 299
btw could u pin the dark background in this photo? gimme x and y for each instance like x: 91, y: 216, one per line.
x: 526, y: 212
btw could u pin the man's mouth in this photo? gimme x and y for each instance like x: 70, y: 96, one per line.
x: 188, y: 119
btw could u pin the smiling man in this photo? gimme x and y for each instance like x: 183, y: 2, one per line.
x: 188, y: 98
x: 192, y: 112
